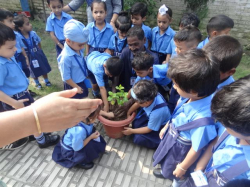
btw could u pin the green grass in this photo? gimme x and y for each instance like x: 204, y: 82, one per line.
x: 244, y: 68
x: 48, y: 47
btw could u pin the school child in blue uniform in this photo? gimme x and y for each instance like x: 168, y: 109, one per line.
x: 143, y: 65
x: 14, y: 85
x: 217, y: 25
x: 138, y: 13
x: 229, y: 158
x: 100, y: 67
x: 80, y: 145
x: 56, y: 22
x: 71, y: 61
x: 191, y: 127
x: 118, y: 40
x: 38, y: 61
x: 136, y: 41
x: 163, y: 33
x: 186, y: 19
x: 151, y: 117
x: 186, y: 39
x: 6, y: 17
x: 100, y: 31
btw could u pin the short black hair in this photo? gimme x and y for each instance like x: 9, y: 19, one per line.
x: 227, y: 50
x: 48, y: 1
x: 231, y: 106
x: 142, y: 61
x: 169, y: 12
x: 114, y: 65
x: 189, y: 19
x: 195, y: 71
x: 123, y: 22
x: 145, y: 90
x: 19, y: 21
x: 136, y: 31
x: 4, y: 14
x: 139, y: 8
x: 6, y: 34
x: 219, y: 23
x: 98, y: 2
x: 188, y: 34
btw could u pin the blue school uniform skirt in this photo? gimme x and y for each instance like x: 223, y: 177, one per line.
x: 21, y: 59
x: 82, y: 85
x: 67, y: 157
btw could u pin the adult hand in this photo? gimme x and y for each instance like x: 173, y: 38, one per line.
x: 57, y: 111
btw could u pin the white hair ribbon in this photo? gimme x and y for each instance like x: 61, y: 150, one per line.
x: 163, y: 9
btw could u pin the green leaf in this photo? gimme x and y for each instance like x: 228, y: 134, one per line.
x: 110, y: 93
x: 110, y: 98
x: 112, y: 102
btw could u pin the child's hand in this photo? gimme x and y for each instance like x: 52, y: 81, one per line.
x: 106, y: 108
x: 79, y: 90
x: 179, y: 171
x: 164, y: 62
x: 163, y: 130
x: 95, y: 135
x: 127, y: 131
x: 19, y: 103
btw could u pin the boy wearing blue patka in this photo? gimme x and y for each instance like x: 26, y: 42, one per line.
x: 56, y: 22
x: 80, y: 145
x: 100, y: 31
x: 229, y: 158
x: 71, y: 61
x: 151, y: 117
x: 101, y: 66
x: 143, y: 65
x: 191, y: 127
x: 217, y: 25
x: 138, y: 15
x: 163, y: 33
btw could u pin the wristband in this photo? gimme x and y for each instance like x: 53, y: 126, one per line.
x: 178, y: 165
x: 37, y: 120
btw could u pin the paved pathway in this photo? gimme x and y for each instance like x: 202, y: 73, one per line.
x: 123, y: 164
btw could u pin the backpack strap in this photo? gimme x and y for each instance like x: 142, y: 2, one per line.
x: 220, y: 140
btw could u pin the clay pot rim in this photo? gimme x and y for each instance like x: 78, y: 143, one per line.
x: 121, y: 123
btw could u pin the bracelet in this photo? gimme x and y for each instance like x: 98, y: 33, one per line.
x: 178, y: 165
x: 37, y: 120
x: 58, y: 43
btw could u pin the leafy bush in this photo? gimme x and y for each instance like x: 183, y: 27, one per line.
x: 119, y: 97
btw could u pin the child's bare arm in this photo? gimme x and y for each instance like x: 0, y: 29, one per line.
x: 182, y: 167
x: 167, y: 59
x: 87, y: 49
x: 104, y: 98
x: 92, y: 136
x: 142, y: 130
x: 12, y: 102
x: 54, y: 38
x: 202, y: 163
x: 26, y: 57
x: 133, y: 108
x: 74, y: 85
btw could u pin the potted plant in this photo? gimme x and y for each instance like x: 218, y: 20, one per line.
x: 119, y: 105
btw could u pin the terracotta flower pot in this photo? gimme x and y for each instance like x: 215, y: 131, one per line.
x: 114, y: 128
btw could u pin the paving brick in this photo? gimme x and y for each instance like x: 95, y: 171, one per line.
x: 161, y: 181
x: 83, y: 182
x: 122, y: 149
x: 93, y: 178
x: 139, y: 166
x: 111, y: 157
x: 149, y: 158
x: 3, y: 164
x: 99, y: 184
x: 38, y: 172
x: 117, y: 163
x: 51, y: 177
x: 25, y: 167
x: 28, y: 154
x: 145, y: 171
x: 117, y: 143
x: 13, y: 162
x: 6, y: 180
x: 11, y: 183
x: 56, y: 182
x: 51, y: 165
x: 19, y: 184
x: 110, y: 144
x: 127, y: 183
x: 104, y: 174
x: 72, y: 185
x: 125, y: 161
x: 135, y: 153
x: 152, y: 177
x: 67, y: 179
x: 13, y: 154
x: 130, y: 147
x: 28, y: 174
x: 41, y: 178
x: 110, y: 179
x: 15, y: 169
x: 49, y: 157
x: 26, y: 148
x: 40, y: 158
x: 131, y: 167
x: 4, y: 155
x: 143, y: 151
x: 142, y: 183
x: 63, y: 172
x: 119, y: 179
x: 78, y: 175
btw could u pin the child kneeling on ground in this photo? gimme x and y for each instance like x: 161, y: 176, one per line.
x: 151, y: 117
x: 80, y: 145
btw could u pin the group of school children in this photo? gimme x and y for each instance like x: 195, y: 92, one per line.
x: 188, y: 106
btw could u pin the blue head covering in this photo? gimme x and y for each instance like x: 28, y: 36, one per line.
x: 76, y: 31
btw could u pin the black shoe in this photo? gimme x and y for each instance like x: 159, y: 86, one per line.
x: 32, y: 138
x: 49, y: 140
x: 86, y: 166
x: 16, y: 145
x: 38, y: 86
x: 157, y: 173
x: 48, y: 84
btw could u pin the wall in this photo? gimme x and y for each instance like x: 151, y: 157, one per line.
x: 238, y: 10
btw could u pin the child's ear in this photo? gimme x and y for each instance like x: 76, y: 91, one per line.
x: 213, y: 34
x: 144, y: 18
x: 231, y: 71
x: 151, y: 69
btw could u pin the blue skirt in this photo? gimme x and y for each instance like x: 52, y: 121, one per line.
x: 70, y: 158
x: 44, y: 66
x: 82, y: 85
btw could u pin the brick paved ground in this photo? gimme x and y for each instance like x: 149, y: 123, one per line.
x: 123, y: 164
